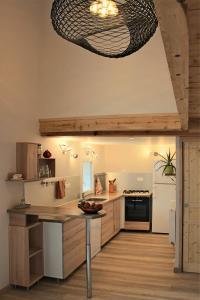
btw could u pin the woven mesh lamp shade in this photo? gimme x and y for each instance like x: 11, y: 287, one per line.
x: 112, y: 36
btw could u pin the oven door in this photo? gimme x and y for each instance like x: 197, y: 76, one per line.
x: 137, y: 209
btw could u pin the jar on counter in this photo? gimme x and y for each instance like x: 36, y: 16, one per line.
x: 39, y: 151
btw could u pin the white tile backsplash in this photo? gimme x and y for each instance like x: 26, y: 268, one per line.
x: 127, y: 181
x: 44, y: 195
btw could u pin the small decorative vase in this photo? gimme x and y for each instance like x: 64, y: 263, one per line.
x: 47, y: 154
x: 112, y: 186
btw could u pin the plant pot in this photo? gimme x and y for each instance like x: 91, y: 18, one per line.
x: 169, y: 171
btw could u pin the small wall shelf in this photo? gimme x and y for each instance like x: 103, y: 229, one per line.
x: 31, y: 165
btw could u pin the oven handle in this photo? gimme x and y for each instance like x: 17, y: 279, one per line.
x: 135, y: 200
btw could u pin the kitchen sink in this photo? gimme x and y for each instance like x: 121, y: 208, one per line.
x: 96, y: 199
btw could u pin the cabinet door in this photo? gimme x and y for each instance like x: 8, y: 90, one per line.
x: 74, y: 245
x: 107, y: 223
x: 95, y: 236
x: 19, y: 256
x: 53, y: 249
x: 116, y: 206
x: 27, y: 161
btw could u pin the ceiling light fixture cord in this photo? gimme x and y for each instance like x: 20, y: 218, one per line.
x: 110, y: 28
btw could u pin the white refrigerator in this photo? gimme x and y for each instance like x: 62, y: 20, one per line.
x: 164, y: 200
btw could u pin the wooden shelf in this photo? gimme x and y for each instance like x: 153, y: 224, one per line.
x: 34, y: 251
x: 26, y: 249
x: 30, y: 226
x: 35, y: 278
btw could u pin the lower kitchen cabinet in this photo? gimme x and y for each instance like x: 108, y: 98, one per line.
x: 111, y: 223
x: 74, y: 250
x: 107, y: 223
x: 65, y: 246
x: 25, y: 250
x: 117, y: 215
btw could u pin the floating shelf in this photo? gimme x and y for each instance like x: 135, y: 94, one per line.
x: 33, y: 252
x: 35, y: 278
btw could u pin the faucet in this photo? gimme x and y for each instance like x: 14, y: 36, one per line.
x: 83, y: 196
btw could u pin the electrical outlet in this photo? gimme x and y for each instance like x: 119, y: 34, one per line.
x: 140, y: 179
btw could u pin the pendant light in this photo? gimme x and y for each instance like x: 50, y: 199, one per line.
x: 110, y: 28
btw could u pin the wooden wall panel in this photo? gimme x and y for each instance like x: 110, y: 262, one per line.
x: 191, y: 216
x: 174, y: 30
x: 193, y: 16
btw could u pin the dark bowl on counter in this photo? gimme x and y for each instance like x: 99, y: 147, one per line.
x: 90, y: 208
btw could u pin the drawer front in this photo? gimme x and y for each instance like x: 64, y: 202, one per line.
x: 74, y: 245
x: 107, y: 225
x: 73, y: 226
x: 117, y: 206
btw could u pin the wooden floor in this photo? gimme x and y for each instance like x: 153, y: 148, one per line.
x: 130, y: 267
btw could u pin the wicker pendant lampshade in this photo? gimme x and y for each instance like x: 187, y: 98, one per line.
x: 111, y: 28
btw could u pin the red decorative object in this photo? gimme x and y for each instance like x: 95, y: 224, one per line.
x: 47, y: 154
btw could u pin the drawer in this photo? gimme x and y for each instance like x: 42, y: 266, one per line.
x: 73, y: 227
x: 74, y: 241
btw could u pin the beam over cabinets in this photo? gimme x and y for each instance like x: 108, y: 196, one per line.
x: 146, y: 122
x: 173, y: 25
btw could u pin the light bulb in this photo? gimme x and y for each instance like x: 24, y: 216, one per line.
x: 103, y: 12
x: 114, y: 11
x: 104, y: 8
x: 94, y: 8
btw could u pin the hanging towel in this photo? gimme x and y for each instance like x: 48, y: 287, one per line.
x: 98, y: 187
x: 60, y: 189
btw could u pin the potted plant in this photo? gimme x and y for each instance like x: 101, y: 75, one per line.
x: 167, y: 164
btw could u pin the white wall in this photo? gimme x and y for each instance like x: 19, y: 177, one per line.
x: 132, y: 164
x: 137, y: 158
x: 19, y: 99
x: 77, y: 82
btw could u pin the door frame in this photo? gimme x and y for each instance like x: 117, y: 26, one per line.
x: 178, y: 266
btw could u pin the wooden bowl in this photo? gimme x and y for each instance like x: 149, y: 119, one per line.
x: 91, y: 210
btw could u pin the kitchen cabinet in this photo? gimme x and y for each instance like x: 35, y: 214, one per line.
x: 30, y: 165
x: 64, y: 247
x: 25, y: 250
x: 74, y: 249
x: 113, y: 221
x: 117, y: 215
x: 95, y: 236
x: 107, y: 223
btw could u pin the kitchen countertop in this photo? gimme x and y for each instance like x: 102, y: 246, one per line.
x: 64, y: 212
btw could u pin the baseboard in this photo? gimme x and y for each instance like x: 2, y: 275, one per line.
x: 5, y: 289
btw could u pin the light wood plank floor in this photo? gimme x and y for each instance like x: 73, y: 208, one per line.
x: 130, y: 267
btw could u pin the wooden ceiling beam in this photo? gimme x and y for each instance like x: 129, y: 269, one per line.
x: 146, y: 122
x: 174, y: 30
x: 193, y: 14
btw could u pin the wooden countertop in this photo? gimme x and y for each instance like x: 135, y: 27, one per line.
x: 66, y: 211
